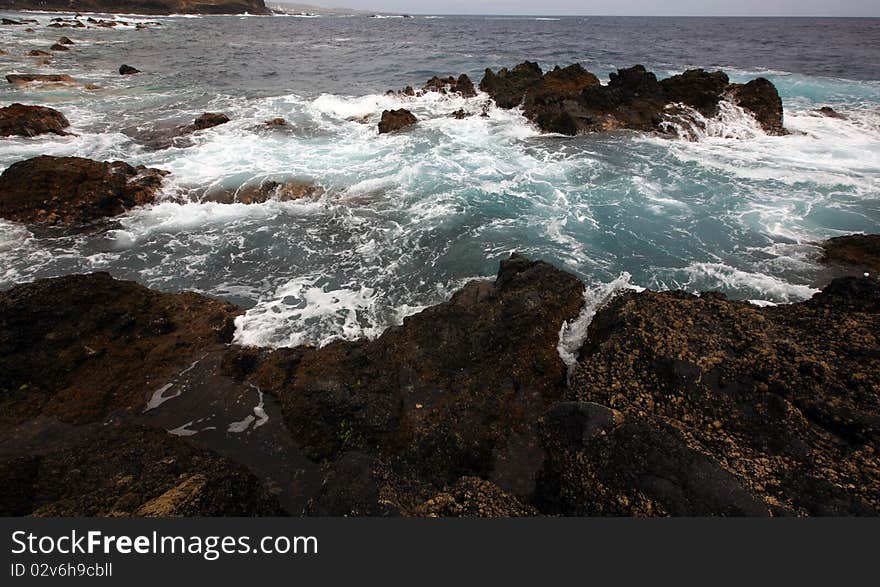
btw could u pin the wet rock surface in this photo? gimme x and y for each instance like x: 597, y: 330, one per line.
x: 572, y: 101
x: 167, y: 136
x: 73, y: 190
x: 395, y: 120
x: 122, y: 471
x: 678, y: 405
x: 29, y: 121
x: 37, y: 78
x: 858, y: 253
x: 79, y: 348
x: 283, y: 191
x: 688, y: 405
x: 128, y: 70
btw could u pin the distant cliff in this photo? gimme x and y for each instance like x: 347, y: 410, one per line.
x: 142, y: 6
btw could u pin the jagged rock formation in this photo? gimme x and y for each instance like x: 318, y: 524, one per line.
x: 571, y: 100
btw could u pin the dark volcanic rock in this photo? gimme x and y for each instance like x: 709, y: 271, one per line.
x: 65, y: 41
x: 679, y: 405
x: 461, y: 85
x: 547, y: 103
x: 73, y: 190
x: 760, y: 97
x: 688, y: 405
x: 29, y: 121
x: 128, y: 70
x: 141, y: 6
x: 456, y: 390
x: 209, y: 120
x: 394, y: 120
x: 37, y: 53
x: 131, y: 471
x: 80, y: 347
x: 857, y: 252
x: 696, y: 88
x: 507, y: 87
x: 59, y: 47
x: 473, y: 497
x: 571, y: 100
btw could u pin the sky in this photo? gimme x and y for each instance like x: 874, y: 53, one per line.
x: 618, y: 7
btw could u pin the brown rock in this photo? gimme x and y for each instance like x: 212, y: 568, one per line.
x: 29, y: 121
x: 760, y: 97
x: 37, y: 53
x: 59, y: 47
x: 856, y: 252
x: 394, y: 120
x: 73, y: 190
x: 33, y: 78
x: 210, y: 119
x: 65, y: 41
x: 81, y: 347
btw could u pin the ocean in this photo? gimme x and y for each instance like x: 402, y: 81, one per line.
x: 408, y: 218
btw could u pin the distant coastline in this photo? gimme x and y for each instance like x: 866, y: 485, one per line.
x: 155, y: 7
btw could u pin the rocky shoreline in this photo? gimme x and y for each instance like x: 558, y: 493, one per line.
x: 677, y: 405
x: 157, y: 7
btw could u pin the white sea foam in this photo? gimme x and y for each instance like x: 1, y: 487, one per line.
x: 573, y: 335
x: 722, y: 275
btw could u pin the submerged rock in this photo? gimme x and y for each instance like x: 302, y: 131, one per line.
x: 29, y: 121
x: 267, y: 190
x: 59, y: 47
x: 35, y: 78
x: 65, y: 41
x: 73, y: 190
x: 830, y: 112
x: 128, y: 70
x: 176, y: 135
x: 394, y: 120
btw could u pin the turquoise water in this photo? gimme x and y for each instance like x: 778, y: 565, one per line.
x: 408, y: 218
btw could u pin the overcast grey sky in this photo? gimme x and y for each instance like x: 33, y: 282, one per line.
x: 619, y: 7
